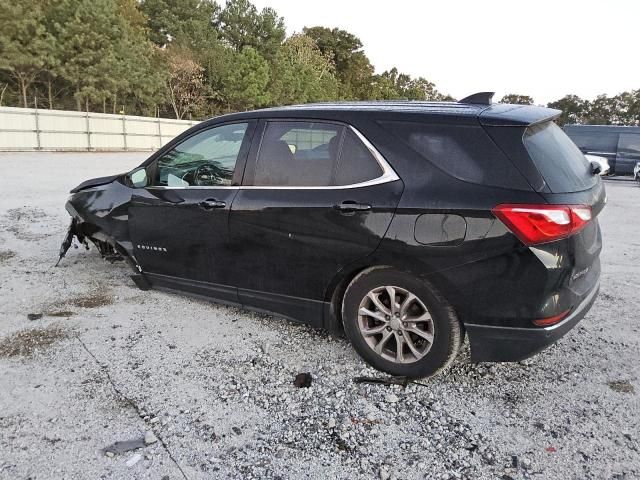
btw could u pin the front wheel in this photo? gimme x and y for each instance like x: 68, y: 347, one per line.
x: 399, y: 325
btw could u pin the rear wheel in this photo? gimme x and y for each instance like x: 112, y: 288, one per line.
x: 400, y: 325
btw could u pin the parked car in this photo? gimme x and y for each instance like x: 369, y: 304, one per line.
x: 601, y: 162
x: 620, y: 145
x: 408, y: 224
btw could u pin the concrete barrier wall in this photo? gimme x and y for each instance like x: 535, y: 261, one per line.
x: 27, y: 129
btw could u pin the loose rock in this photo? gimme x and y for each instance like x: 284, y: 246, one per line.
x: 150, y: 438
x: 133, y: 460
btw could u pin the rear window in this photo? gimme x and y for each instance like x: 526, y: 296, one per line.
x: 558, y: 159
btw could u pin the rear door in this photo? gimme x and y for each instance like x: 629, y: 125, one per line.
x: 316, y: 197
x: 179, y: 221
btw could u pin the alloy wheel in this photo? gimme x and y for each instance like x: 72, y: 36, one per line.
x: 396, y: 324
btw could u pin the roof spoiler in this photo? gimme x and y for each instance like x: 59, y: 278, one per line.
x: 480, y: 98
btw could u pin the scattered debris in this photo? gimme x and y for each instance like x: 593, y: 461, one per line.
x: 62, y: 313
x: 27, y: 342
x: 34, y: 316
x: 133, y: 460
x: 150, y: 438
x: 622, y: 386
x: 303, y: 380
x: 388, y: 381
x: 124, y: 446
x: 365, y: 421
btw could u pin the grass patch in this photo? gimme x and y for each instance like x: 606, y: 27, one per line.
x: 26, y: 343
x: 622, y: 386
x: 6, y: 255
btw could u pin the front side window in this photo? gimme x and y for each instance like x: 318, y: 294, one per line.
x: 206, y: 159
x: 299, y: 154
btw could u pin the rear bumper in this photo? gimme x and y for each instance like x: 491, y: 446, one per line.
x: 506, y: 344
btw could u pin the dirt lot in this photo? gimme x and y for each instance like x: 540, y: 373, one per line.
x: 107, y: 362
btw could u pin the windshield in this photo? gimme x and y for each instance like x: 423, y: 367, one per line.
x: 559, y: 161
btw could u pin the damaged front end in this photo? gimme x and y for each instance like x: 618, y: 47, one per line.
x: 99, y: 214
x: 78, y: 230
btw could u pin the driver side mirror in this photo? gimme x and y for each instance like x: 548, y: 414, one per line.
x: 138, y: 178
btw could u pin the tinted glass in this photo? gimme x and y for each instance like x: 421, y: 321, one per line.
x: 629, y: 145
x: 559, y: 161
x: 205, y: 159
x: 356, y: 163
x: 463, y: 151
x: 298, y: 154
x: 313, y: 154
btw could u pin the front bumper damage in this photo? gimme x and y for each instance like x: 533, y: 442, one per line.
x: 80, y: 233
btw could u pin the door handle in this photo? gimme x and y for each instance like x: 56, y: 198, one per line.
x: 350, y: 206
x: 211, y: 203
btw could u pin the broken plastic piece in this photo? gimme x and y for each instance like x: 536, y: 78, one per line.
x: 66, y: 243
x: 125, y: 446
x: 303, y: 380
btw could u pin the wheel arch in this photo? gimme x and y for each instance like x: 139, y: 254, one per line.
x: 338, y: 286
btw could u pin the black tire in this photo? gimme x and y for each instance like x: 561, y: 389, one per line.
x: 447, y: 331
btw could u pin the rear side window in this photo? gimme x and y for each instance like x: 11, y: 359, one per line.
x: 465, y: 152
x: 356, y: 163
x: 558, y: 159
x: 299, y: 154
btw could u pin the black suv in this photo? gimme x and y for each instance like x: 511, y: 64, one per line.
x: 408, y: 224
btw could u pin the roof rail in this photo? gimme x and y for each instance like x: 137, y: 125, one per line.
x: 480, y: 98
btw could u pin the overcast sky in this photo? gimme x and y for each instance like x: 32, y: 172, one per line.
x: 542, y: 48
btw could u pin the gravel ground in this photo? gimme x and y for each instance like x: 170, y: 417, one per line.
x: 214, y: 385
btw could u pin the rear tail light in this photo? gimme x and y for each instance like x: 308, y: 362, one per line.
x: 547, y: 322
x: 534, y: 224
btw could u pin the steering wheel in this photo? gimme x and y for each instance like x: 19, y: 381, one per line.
x: 206, y: 175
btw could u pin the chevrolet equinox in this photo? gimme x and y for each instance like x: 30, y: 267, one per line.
x: 407, y: 224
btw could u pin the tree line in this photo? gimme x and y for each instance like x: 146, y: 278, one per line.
x: 198, y: 58
x: 182, y: 58
x: 621, y: 109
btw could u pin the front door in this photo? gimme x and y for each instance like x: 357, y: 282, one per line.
x: 179, y: 221
x: 319, y: 198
